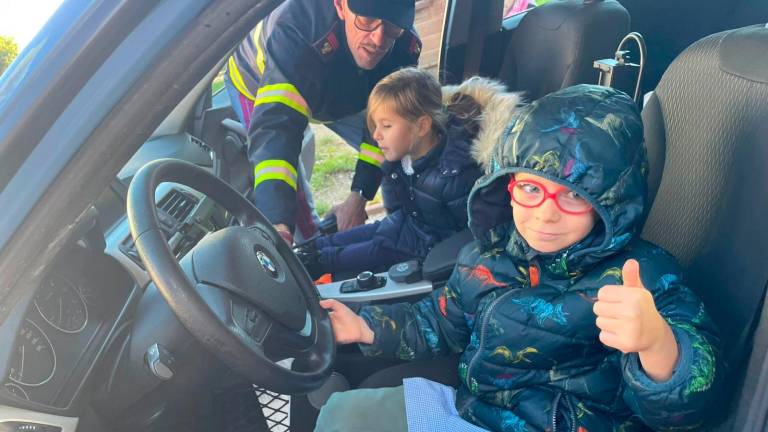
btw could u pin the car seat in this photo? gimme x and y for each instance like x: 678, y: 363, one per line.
x: 705, y: 129
x: 556, y: 44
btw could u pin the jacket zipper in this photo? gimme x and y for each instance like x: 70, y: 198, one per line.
x: 483, y: 327
x: 555, y: 405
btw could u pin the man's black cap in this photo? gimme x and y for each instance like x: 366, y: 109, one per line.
x: 398, y: 12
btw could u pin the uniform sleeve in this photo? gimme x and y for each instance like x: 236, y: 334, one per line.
x: 280, y: 116
x: 687, y: 398
x: 368, y: 168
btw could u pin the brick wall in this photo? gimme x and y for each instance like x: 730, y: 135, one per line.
x: 429, y: 23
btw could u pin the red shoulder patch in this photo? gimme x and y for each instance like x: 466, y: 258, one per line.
x: 415, y: 45
x: 328, y: 44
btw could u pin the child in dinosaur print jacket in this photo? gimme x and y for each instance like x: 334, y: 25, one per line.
x: 567, y: 320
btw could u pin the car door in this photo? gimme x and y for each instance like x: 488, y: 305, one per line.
x: 76, y: 104
x: 214, y: 122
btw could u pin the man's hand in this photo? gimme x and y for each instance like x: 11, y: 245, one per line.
x: 285, y: 233
x: 348, y: 327
x: 351, y: 212
x: 629, y: 322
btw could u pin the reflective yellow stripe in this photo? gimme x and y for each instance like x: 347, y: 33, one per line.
x: 283, y: 93
x: 234, y: 72
x: 259, y: 52
x: 275, y: 169
x: 237, y: 79
x: 371, y: 154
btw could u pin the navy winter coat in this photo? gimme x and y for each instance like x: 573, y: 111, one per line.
x: 431, y: 204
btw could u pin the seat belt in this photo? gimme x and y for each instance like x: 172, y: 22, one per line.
x: 752, y: 408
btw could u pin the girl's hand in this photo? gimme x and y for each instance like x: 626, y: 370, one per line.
x: 629, y: 321
x: 348, y: 327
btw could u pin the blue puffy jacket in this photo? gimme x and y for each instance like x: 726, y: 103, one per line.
x: 532, y: 360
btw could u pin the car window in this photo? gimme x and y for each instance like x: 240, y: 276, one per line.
x: 219, y: 96
x: 514, y: 7
x: 430, y: 15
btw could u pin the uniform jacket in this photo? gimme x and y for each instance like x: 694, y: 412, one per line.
x: 532, y: 360
x: 296, y: 67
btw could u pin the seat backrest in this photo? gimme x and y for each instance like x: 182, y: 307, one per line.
x: 710, y: 110
x: 556, y: 44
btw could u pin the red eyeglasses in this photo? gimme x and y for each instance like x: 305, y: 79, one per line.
x: 530, y: 194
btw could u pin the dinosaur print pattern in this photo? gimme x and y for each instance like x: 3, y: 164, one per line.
x: 614, y: 272
x: 378, y: 314
x: 575, y: 168
x: 549, y: 161
x: 666, y: 281
x: 543, y: 310
x: 511, y: 423
x: 482, y: 274
x: 517, y: 357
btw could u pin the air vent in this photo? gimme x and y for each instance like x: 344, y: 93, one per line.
x: 177, y: 204
x: 200, y: 143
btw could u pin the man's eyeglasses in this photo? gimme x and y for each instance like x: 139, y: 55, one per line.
x: 368, y: 24
x: 528, y: 193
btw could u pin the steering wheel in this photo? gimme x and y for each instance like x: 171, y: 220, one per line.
x: 241, y: 291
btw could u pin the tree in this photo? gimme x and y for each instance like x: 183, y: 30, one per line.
x: 8, y: 52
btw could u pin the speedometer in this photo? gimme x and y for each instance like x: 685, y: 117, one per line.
x: 34, y: 361
x: 62, y: 305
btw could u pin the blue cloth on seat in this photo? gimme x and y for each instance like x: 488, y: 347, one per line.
x: 431, y: 406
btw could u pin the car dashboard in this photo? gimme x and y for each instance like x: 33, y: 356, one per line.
x: 61, y: 332
x: 68, y: 332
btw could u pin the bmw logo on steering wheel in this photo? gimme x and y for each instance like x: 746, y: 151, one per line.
x: 267, y: 264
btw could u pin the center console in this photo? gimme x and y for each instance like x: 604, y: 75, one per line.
x: 407, y: 279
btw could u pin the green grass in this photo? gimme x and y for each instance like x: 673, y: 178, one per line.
x: 218, y: 84
x: 332, y: 158
x: 332, y: 175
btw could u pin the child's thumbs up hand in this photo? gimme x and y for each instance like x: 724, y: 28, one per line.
x: 630, y: 274
x: 627, y: 315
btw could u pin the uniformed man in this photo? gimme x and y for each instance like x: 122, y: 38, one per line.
x: 315, y: 60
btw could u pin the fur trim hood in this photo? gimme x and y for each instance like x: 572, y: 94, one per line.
x: 498, y: 108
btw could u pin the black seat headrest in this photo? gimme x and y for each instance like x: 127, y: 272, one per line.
x: 710, y: 112
x: 556, y: 44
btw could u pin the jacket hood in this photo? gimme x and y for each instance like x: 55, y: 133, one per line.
x: 498, y: 108
x: 586, y: 137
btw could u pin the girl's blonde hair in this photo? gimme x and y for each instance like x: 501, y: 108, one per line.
x: 411, y: 93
